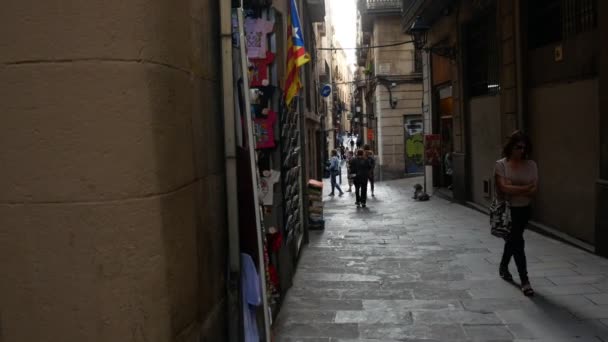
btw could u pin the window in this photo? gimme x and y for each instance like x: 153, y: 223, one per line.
x: 483, y: 58
x: 551, y: 21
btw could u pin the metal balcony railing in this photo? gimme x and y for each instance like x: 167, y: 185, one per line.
x: 380, y: 6
x: 384, y: 5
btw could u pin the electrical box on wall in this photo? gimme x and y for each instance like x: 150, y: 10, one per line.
x: 487, y: 188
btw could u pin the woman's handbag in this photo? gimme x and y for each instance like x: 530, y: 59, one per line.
x: 500, y: 214
x: 500, y: 218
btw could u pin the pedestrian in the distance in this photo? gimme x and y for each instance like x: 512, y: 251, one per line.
x: 517, y: 181
x: 350, y: 156
x: 342, y: 156
x: 352, y: 145
x: 369, y: 154
x: 360, y: 167
x: 334, y: 170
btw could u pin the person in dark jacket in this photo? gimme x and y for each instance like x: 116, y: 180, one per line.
x: 361, y: 167
x: 369, y: 154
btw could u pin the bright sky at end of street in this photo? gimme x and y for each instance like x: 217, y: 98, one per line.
x: 344, y: 17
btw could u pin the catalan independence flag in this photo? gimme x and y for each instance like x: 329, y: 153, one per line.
x: 296, y: 54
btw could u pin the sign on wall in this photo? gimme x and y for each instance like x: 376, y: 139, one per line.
x: 326, y: 90
x: 432, y: 149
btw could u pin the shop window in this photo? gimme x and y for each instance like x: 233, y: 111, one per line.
x: 483, y: 57
x: 551, y: 21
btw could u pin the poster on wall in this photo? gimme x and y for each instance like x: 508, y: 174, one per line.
x: 432, y: 149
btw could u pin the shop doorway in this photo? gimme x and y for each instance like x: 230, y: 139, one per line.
x: 445, y: 128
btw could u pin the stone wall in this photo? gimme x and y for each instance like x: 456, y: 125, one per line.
x: 601, y: 225
x: 111, y: 143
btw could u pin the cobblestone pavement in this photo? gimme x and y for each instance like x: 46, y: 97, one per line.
x: 402, y: 270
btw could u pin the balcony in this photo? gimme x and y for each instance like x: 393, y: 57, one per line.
x: 380, y: 6
x: 430, y: 10
x: 316, y: 10
x: 369, y: 9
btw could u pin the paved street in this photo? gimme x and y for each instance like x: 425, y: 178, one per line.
x: 402, y: 270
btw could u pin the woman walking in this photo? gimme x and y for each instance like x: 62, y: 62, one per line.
x: 517, y: 181
x: 360, y: 167
x: 335, y: 170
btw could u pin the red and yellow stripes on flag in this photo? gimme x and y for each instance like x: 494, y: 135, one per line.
x: 296, y: 54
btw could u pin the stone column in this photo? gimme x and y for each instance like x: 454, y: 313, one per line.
x: 601, y: 233
x: 508, y: 69
x: 108, y: 139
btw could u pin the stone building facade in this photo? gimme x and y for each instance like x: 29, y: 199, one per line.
x: 111, y: 145
x: 389, y: 90
x: 507, y: 74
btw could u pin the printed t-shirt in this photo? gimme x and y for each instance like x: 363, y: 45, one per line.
x: 256, y: 31
x: 260, y: 69
x: 264, y: 130
x: 266, y: 185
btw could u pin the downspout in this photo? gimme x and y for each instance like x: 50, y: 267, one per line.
x: 233, y: 317
x: 519, y: 67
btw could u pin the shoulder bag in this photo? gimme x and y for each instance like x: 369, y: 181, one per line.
x: 500, y: 214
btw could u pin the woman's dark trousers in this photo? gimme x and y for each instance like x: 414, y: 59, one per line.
x: 515, y: 244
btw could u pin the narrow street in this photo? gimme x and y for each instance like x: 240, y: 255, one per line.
x: 402, y: 270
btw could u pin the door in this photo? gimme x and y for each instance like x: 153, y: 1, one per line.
x: 414, y: 144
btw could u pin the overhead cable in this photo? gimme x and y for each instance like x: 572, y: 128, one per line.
x: 369, y: 47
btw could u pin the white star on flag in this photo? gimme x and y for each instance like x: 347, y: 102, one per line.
x: 294, y: 30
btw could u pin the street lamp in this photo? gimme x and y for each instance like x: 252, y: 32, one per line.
x: 419, y: 30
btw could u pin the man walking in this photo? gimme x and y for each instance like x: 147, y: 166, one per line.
x: 334, y: 170
x: 361, y: 168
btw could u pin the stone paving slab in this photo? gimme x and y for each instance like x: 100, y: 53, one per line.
x: 402, y: 270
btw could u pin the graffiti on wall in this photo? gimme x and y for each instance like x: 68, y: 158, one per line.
x: 414, y: 144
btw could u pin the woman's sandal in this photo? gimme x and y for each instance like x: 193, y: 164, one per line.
x: 505, y: 274
x: 527, y: 290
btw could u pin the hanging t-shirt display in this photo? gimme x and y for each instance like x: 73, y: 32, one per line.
x: 267, y: 182
x: 259, y: 70
x: 256, y: 31
x: 264, y: 130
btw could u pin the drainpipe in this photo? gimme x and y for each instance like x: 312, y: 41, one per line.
x: 233, y: 311
x: 519, y: 67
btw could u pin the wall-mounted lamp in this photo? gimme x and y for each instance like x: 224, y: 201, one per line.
x: 419, y: 30
x: 389, y: 87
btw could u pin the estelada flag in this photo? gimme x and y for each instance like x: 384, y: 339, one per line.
x: 296, y: 53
